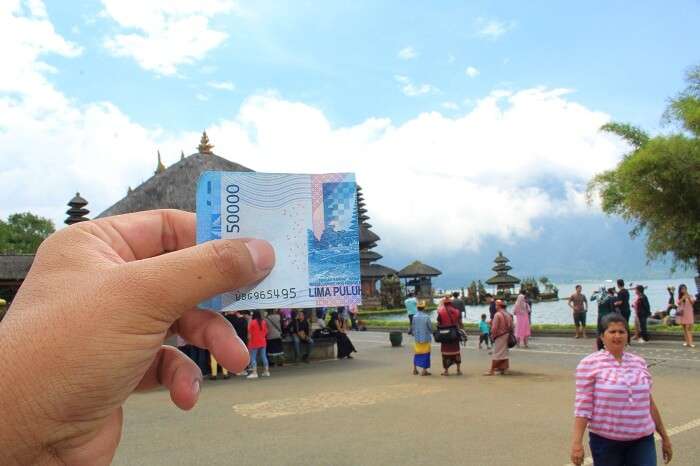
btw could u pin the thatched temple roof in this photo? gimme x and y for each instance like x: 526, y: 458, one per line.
x: 15, y: 266
x: 375, y: 271
x: 173, y: 188
x: 418, y: 269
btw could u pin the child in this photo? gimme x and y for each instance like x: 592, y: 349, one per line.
x: 484, y: 330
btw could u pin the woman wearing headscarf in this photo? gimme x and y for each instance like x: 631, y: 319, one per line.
x: 613, y: 400
x: 501, y: 327
x: 521, y: 311
x: 339, y: 327
x: 684, y: 314
x: 449, y: 316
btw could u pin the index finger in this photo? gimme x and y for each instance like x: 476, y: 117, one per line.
x: 150, y: 233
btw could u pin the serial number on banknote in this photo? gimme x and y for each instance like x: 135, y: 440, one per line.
x: 285, y: 293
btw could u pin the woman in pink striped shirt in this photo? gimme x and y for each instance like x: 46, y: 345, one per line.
x: 613, y: 399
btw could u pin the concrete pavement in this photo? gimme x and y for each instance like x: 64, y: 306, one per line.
x: 372, y: 411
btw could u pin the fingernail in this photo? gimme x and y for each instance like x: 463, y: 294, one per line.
x: 262, y: 254
x: 196, y: 387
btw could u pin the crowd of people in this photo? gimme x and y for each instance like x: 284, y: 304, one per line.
x: 264, y: 333
x: 500, y: 333
x: 679, y: 310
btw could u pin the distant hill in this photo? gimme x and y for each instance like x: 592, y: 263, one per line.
x: 567, y: 249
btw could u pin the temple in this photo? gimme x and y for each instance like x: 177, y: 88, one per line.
x: 503, y: 282
x: 369, y: 272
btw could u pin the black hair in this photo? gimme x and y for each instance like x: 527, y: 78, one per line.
x: 455, y: 294
x: 682, y: 287
x: 613, y: 318
x: 611, y: 290
x: 639, y: 288
x: 620, y: 283
x: 257, y: 315
x: 578, y: 286
x: 483, y: 316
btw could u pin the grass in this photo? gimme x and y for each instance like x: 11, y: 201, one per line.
x: 544, y: 328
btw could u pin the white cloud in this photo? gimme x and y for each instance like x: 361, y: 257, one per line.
x: 489, y: 28
x: 471, y: 72
x: 449, y: 105
x: 201, y: 97
x: 412, y: 90
x: 407, y: 53
x: 169, y: 33
x: 432, y: 183
x: 222, y: 85
x: 451, y: 58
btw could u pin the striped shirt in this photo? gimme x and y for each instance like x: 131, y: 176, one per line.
x: 614, y: 397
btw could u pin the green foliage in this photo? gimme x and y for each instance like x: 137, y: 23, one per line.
x: 633, y: 135
x: 656, y: 187
x: 685, y: 107
x: 23, y: 233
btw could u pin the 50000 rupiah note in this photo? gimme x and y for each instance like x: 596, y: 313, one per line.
x: 310, y: 220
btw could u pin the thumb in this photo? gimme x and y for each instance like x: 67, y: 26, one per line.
x: 165, y: 286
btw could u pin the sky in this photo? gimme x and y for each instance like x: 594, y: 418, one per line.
x: 467, y: 123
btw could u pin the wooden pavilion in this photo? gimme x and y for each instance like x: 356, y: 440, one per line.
x: 419, y: 276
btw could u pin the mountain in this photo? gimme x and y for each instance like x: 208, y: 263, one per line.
x: 566, y: 249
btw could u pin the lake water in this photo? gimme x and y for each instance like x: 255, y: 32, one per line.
x: 558, y: 312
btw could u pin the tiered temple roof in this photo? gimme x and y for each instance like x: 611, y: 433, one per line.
x: 502, y: 279
x: 368, y: 241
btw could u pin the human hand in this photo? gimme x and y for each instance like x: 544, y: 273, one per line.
x: 87, y: 329
x: 667, y: 450
x: 577, y: 453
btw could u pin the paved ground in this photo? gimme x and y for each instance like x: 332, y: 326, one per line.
x: 372, y: 411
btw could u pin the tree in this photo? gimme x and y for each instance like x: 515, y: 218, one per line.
x: 656, y: 186
x: 23, y: 233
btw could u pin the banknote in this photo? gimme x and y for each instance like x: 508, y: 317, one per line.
x: 310, y: 220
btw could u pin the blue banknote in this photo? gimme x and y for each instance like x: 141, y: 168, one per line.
x: 310, y: 220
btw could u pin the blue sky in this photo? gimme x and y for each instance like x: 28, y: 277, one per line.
x: 469, y: 124
x: 342, y: 57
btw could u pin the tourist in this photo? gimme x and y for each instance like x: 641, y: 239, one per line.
x: 411, y: 308
x: 353, y: 317
x: 449, y: 316
x: 214, y: 366
x: 488, y: 298
x: 622, y: 303
x: 484, y: 332
x: 529, y: 304
x: 579, y: 305
x: 671, y: 304
x: 606, y: 305
x: 300, y: 336
x: 501, y: 328
x: 521, y: 311
x: 643, y: 311
x: 684, y: 314
x: 275, y: 351
x: 422, y: 330
x: 257, y: 345
x: 92, y: 346
x: 613, y: 400
x: 458, y: 303
x: 338, y: 327
x: 239, y: 320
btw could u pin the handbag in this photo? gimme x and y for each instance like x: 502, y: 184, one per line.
x: 448, y: 334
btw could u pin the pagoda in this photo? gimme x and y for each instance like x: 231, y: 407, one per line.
x: 369, y: 272
x: 503, y: 282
